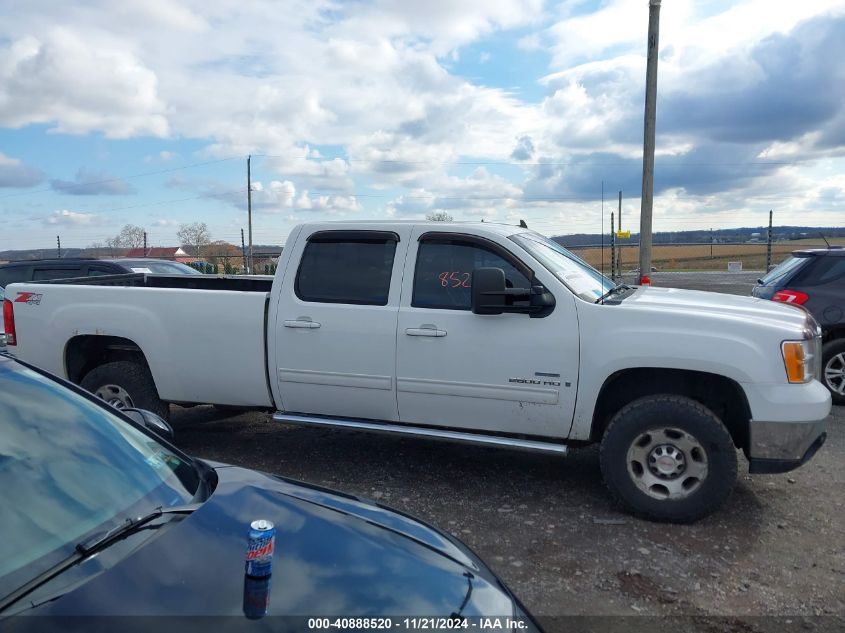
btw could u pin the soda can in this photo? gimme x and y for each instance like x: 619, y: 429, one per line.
x: 260, y: 547
x: 256, y: 597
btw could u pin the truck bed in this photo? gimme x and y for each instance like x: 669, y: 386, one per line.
x: 203, y: 336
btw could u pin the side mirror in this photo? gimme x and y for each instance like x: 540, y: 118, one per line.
x: 491, y: 296
x: 151, y: 422
x: 488, y: 291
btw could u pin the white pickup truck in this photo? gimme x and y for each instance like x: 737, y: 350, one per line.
x: 474, y: 332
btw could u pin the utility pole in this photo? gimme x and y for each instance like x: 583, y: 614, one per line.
x: 243, y: 250
x: 612, y: 250
x: 648, y: 137
x: 59, y: 246
x: 145, y: 243
x: 619, y: 254
x: 602, y: 228
x: 249, y: 210
x: 769, y: 245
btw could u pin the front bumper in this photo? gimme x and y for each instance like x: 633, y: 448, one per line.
x: 778, y: 447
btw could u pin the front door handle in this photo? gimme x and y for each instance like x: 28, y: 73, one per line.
x: 302, y: 323
x: 425, y: 331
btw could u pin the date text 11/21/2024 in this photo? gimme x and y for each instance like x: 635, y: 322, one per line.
x: 452, y: 623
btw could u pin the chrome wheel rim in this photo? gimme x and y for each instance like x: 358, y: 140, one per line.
x: 834, y: 373
x: 667, y: 463
x: 116, y: 396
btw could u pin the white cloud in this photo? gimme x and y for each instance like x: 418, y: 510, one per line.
x: 479, y: 194
x: 362, y: 98
x: 164, y: 222
x: 274, y: 197
x: 67, y: 218
x: 78, y: 86
x: 163, y: 156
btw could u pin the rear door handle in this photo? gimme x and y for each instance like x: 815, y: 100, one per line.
x: 425, y: 331
x: 302, y: 323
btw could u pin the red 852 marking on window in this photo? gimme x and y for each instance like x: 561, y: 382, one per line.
x: 454, y: 279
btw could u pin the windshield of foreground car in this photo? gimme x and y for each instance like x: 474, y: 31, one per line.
x: 69, y: 467
x: 584, y: 280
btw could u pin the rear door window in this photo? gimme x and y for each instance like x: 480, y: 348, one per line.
x: 338, y: 267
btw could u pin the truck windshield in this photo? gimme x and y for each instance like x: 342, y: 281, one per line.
x: 68, y: 467
x: 581, y: 278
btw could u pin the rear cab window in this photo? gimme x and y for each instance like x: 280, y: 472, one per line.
x: 352, y: 267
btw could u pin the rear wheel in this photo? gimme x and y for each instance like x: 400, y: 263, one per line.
x: 125, y: 384
x: 668, y: 458
x: 833, y: 369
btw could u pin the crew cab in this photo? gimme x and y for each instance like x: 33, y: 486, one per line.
x: 472, y: 332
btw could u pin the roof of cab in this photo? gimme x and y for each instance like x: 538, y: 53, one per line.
x: 453, y: 227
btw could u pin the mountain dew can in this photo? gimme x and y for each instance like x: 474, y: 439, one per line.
x: 260, y: 547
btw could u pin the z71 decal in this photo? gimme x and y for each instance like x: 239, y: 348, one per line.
x: 29, y: 297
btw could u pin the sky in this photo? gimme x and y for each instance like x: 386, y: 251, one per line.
x: 144, y: 112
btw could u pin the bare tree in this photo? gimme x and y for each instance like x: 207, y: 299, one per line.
x: 97, y: 247
x: 439, y: 216
x: 195, y: 235
x: 130, y: 236
x: 221, y: 250
x: 113, y: 244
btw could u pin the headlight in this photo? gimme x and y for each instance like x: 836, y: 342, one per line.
x: 802, y: 359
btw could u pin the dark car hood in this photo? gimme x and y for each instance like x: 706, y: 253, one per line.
x: 335, y: 555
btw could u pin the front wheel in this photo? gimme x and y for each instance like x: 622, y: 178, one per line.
x: 833, y: 369
x: 125, y: 384
x: 668, y: 458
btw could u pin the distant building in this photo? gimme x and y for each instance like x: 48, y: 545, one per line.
x: 265, y: 257
x: 174, y: 253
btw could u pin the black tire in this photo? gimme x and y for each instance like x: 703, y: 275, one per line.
x: 644, y: 424
x: 127, y: 384
x: 833, y: 354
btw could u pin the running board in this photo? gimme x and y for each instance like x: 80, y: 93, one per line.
x: 418, y: 431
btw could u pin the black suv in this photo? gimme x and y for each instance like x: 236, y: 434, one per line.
x: 815, y: 279
x: 42, y: 269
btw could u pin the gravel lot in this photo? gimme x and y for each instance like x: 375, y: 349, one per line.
x: 547, y: 526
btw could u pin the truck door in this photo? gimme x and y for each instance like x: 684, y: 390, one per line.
x: 335, y: 346
x: 507, y: 373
